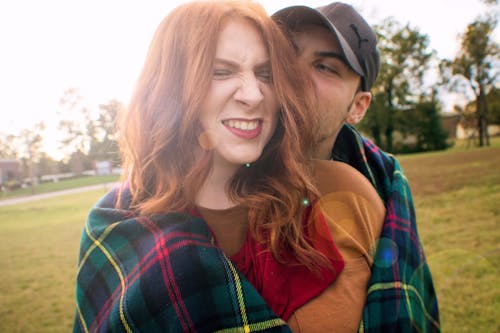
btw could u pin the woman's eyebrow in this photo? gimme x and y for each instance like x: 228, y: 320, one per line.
x: 227, y: 62
x: 264, y: 64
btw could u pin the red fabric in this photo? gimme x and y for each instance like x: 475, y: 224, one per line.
x: 285, y: 288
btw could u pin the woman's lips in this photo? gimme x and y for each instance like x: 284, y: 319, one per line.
x: 245, y: 129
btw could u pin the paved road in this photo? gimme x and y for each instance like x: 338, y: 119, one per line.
x: 37, y: 197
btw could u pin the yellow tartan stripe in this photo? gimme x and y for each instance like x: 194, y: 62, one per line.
x: 118, y: 271
x: 82, y: 320
x: 239, y: 293
x: 407, y: 288
x: 406, y: 195
x: 246, y: 328
x: 405, y: 188
x: 91, y: 248
x: 254, y: 327
x: 267, y: 324
x: 361, y: 328
x: 400, y: 174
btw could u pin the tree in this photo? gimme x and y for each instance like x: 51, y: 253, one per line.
x: 427, y: 126
x: 468, y: 122
x: 476, y: 69
x: 74, y: 122
x: 404, y: 60
x: 47, y: 165
x: 31, y: 144
x: 104, y: 144
x: 493, y: 99
x: 8, y: 146
x: 374, y: 120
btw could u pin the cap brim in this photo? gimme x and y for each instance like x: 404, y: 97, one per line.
x: 298, y: 15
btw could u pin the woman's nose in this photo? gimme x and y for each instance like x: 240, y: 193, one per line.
x: 249, y: 92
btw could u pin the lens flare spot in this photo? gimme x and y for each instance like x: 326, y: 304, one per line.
x: 387, y: 253
x: 206, y: 140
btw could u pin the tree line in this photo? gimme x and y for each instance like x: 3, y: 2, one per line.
x: 401, y: 104
x: 87, y: 136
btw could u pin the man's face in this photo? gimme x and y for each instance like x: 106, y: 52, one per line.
x: 335, y: 83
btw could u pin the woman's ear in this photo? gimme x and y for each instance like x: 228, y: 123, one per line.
x: 359, y: 107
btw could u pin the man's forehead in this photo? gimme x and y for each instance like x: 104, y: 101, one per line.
x: 314, y: 38
x: 308, y: 27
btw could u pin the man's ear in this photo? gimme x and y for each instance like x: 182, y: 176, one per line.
x: 359, y: 107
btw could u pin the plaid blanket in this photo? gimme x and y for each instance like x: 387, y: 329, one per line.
x: 133, y: 275
x: 161, y: 274
x: 401, y: 295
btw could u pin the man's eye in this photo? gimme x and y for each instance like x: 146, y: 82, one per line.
x: 324, y: 68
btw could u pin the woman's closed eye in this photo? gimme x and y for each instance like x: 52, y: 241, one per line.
x: 222, y: 73
x: 264, y: 75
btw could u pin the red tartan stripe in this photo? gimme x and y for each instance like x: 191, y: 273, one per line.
x: 144, y: 264
x: 168, y: 276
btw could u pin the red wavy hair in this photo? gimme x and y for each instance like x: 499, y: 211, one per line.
x: 159, y: 131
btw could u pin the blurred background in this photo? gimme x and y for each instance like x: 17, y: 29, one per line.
x: 68, y: 67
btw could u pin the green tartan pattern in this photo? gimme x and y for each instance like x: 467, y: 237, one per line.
x: 401, y: 295
x: 161, y: 274
x: 134, y: 276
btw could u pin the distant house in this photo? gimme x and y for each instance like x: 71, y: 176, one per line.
x: 10, y: 171
x: 450, y: 122
x: 103, y: 168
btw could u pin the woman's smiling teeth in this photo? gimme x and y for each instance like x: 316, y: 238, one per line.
x: 245, y: 125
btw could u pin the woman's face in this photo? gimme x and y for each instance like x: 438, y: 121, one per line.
x: 240, y: 112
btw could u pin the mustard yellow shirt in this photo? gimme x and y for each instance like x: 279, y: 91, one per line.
x: 355, y: 214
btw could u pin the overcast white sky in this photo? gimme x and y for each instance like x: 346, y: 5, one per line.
x: 99, y: 46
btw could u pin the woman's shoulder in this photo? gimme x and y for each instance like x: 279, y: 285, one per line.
x: 117, y: 197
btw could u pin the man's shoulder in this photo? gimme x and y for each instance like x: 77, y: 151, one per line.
x: 350, y: 142
x: 353, y: 148
x: 335, y: 176
x: 361, y: 153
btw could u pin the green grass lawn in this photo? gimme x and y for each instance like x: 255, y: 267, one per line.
x: 39, y: 245
x: 61, y: 185
x: 456, y: 195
